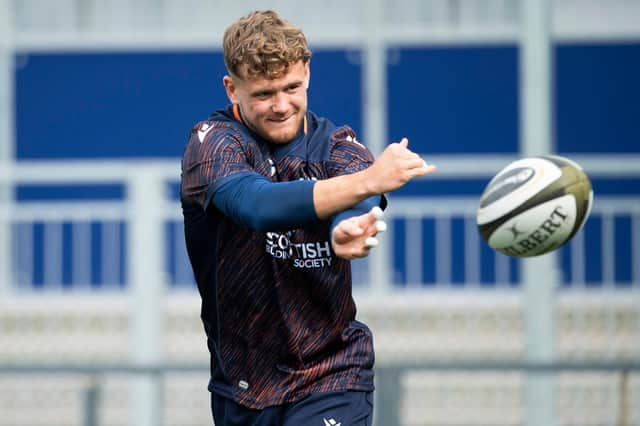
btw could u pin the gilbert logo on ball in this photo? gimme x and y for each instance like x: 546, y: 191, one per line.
x: 534, y: 205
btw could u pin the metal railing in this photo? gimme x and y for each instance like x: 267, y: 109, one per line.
x: 84, y: 244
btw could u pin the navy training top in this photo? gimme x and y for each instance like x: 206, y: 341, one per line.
x: 277, y: 306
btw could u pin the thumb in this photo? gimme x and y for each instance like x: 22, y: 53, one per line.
x: 404, y: 142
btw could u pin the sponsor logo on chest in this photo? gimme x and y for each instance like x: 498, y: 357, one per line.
x: 303, y: 255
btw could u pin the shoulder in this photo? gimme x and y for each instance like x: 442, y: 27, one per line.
x: 345, y: 135
x: 216, y: 149
x: 325, y: 128
x: 208, y: 136
x: 219, y: 131
x: 345, y: 146
x: 220, y: 125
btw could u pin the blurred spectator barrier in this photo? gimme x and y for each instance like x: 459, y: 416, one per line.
x: 389, y: 386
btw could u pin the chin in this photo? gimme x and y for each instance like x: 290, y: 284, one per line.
x: 282, y: 136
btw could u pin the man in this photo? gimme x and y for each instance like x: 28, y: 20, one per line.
x: 276, y: 201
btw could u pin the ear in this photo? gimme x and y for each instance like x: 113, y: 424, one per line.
x: 230, y: 88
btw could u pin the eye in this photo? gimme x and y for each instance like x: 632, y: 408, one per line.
x: 293, y: 87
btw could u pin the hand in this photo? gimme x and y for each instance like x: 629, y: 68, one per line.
x: 354, y: 237
x: 396, y: 166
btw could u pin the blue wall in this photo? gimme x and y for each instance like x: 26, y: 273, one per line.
x: 143, y: 104
x: 455, y: 100
x: 446, y: 100
x: 597, y: 98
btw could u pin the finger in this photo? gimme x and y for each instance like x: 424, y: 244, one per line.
x: 377, y: 212
x: 380, y: 225
x: 415, y: 163
x: 404, y: 142
x: 374, y: 223
x: 367, y: 220
x: 429, y: 168
x: 425, y: 169
x: 371, y: 242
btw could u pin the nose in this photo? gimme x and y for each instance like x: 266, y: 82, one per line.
x: 280, y: 103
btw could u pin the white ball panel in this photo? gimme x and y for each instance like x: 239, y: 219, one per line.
x: 536, y: 230
x: 545, y: 172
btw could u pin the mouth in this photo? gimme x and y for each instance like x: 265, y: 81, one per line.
x: 280, y: 120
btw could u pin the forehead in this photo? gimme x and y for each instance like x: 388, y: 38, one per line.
x: 297, y: 72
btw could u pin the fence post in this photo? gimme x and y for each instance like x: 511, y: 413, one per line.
x: 146, y: 285
x: 91, y: 401
x: 374, y: 69
x: 540, y: 278
x: 540, y: 274
x: 623, y: 416
x: 387, y: 396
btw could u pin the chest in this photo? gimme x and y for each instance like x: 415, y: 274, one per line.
x: 296, y: 165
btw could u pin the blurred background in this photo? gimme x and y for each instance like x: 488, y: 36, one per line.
x: 99, y: 315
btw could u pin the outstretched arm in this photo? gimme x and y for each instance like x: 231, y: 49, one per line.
x: 396, y: 166
x: 253, y: 201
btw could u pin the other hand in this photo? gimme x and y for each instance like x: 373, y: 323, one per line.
x: 354, y: 237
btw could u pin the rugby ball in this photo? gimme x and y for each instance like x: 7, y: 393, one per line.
x: 534, y: 205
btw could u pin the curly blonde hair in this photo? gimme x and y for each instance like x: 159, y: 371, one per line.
x: 262, y: 44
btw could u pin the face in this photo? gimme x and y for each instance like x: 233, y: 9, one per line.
x: 273, y: 108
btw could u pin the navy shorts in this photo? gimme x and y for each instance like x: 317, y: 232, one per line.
x: 348, y: 408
